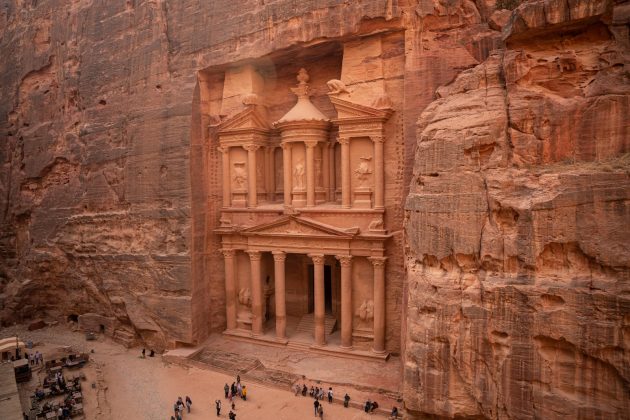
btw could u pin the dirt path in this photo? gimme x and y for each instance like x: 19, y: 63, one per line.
x: 129, y: 387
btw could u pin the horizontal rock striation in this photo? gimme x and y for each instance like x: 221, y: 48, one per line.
x: 517, y: 226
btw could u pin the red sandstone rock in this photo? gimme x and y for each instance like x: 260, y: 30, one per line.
x: 517, y: 227
x: 514, y: 302
x: 37, y: 325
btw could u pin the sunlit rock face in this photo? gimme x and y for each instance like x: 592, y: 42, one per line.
x: 517, y: 226
x: 507, y: 292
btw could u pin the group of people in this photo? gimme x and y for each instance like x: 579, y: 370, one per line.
x: 319, y: 393
x: 232, y: 391
x: 34, y: 358
x: 178, y: 407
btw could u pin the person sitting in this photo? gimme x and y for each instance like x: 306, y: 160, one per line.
x: 151, y: 353
x: 39, y: 394
x: 374, y: 407
x: 394, y: 414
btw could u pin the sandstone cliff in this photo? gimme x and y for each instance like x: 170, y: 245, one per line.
x: 517, y: 226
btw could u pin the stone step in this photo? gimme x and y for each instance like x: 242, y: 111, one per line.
x: 307, y: 324
x: 126, y: 338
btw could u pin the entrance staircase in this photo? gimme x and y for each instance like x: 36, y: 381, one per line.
x: 307, y: 324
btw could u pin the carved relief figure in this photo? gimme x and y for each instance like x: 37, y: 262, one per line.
x: 336, y: 86
x: 298, y: 176
x: 366, y: 310
x: 363, y: 171
x: 245, y: 297
x: 239, y: 175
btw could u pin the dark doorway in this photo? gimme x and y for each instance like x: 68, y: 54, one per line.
x: 327, y: 288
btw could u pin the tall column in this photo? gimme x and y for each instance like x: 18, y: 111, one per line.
x: 326, y: 170
x: 310, y: 173
x: 281, y: 310
x: 227, y: 179
x: 257, y: 312
x: 320, y: 304
x: 230, y: 288
x: 252, y: 193
x: 270, y: 167
x: 346, y: 300
x: 332, y: 174
x: 287, y: 172
x: 379, y: 303
x: 379, y: 173
x: 345, y: 172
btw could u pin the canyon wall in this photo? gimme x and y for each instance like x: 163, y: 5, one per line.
x: 106, y: 179
x: 515, y: 149
x: 517, y: 226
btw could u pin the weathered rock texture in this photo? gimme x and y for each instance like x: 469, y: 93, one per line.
x: 517, y: 226
x: 517, y: 241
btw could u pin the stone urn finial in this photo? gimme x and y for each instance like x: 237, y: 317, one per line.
x: 302, y: 76
x: 302, y: 90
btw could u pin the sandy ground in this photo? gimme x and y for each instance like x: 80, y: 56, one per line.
x: 129, y: 387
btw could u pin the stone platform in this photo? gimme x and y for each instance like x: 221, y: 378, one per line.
x: 282, y: 367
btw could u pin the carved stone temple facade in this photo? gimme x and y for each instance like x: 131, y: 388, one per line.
x: 309, y: 206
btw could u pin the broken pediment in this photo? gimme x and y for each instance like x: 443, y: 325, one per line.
x: 350, y: 110
x: 299, y: 226
x: 252, y: 117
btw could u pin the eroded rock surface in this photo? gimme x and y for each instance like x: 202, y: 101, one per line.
x: 517, y: 226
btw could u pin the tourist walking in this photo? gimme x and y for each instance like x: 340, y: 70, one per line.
x: 144, y: 353
x: 244, y: 393
x: 316, y: 406
x: 330, y: 395
x: 232, y: 416
x: 304, y: 390
x: 346, y: 400
x: 368, y: 406
x: 226, y: 388
x: 188, y: 403
x: 320, y: 411
x: 394, y: 414
x: 217, y: 403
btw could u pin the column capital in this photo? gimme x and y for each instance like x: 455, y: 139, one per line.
x: 285, y: 145
x: 254, y: 255
x: 378, y: 261
x: 227, y: 252
x: 279, y: 256
x: 344, y: 260
x: 223, y: 149
x: 317, y: 258
x: 378, y: 139
x: 343, y: 140
x: 252, y: 147
x: 311, y: 144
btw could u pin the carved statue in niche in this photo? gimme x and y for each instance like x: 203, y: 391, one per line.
x: 239, y: 175
x: 298, y: 176
x: 245, y: 297
x: 376, y: 224
x: 366, y: 310
x: 363, y: 171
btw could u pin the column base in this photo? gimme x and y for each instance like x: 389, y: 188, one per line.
x: 348, y: 348
x: 379, y: 352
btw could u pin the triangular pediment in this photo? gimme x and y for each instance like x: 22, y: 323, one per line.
x: 347, y: 109
x: 298, y: 226
x: 252, y: 117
